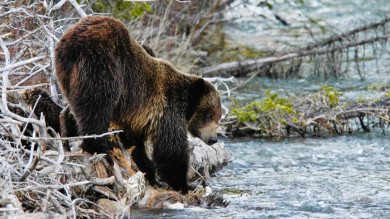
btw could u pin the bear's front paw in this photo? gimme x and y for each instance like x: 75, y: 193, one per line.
x: 192, y: 187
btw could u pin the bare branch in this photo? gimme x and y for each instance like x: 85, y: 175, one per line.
x: 18, y: 64
x: 5, y: 83
x: 78, y: 8
x: 36, y: 139
x: 57, y: 6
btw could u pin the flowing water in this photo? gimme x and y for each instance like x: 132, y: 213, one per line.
x: 339, y: 177
x: 346, y: 176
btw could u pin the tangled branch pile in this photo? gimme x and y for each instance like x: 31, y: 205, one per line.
x: 317, y: 115
x: 42, y: 177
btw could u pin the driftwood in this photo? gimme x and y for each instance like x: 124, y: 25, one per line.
x: 330, y: 45
x: 314, y: 116
x: 205, y: 159
x: 85, y: 178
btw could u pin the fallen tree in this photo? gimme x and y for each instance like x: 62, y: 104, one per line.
x: 329, y: 50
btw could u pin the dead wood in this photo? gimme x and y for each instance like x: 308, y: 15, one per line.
x: 313, y: 116
x: 337, y: 43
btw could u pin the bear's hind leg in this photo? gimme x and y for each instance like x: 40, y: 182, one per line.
x: 95, y: 122
x: 93, y: 104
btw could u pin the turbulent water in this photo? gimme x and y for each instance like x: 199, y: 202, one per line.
x: 346, y: 176
x: 339, y: 177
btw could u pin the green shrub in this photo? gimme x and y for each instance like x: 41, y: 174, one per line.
x: 271, y: 106
x: 331, y: 95
x: 122, y: 9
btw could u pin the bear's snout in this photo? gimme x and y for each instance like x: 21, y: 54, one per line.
x: 212, y: 140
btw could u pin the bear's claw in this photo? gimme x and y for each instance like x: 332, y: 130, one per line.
x: 159, y: 184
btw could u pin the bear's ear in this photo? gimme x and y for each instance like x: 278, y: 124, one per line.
x: 198, y: 85
x: 195, y: 93
x: 147, y: 49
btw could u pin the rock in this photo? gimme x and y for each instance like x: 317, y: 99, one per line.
x: 176, y: 206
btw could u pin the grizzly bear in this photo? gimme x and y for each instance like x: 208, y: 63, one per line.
x: 59, y: 119
x: 110, y: 80
x: 43, y: 103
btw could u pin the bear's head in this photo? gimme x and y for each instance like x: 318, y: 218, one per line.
x: 204, y: 111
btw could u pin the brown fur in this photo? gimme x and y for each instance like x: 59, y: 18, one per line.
x: 68, y: 125
x: 148, y: 49
x: 44, y: 105
x: 109, y: 79
x: 18, y: 102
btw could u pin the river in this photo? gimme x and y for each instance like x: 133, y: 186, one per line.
x: 339, y: 177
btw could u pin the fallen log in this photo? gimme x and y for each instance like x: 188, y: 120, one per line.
x: 257, y: 63
x: 329, y: 45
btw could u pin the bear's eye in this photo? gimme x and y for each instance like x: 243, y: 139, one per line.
x: 209, y: 116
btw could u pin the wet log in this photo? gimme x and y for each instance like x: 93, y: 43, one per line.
x: 206, y: 159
